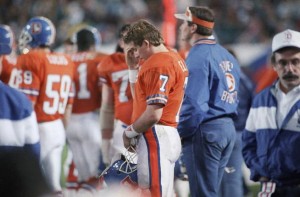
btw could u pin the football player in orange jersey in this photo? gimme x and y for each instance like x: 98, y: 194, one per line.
x: 116, y: 101
x: 10, y: 74
x: 47, y: 80
x: 83, y: 134
x: 157, y: 96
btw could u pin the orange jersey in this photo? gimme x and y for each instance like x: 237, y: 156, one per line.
x: 47, y: 80
x: 114, y: 72
x: 88, y: 89
x: 10, y: 73
x: 161, y: 80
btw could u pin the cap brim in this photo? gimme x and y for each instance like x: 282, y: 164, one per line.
x: 181, y: 16
x: 276, y: 48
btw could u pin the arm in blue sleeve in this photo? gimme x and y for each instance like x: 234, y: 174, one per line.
x: 249, y: 152
x: 195, y: 103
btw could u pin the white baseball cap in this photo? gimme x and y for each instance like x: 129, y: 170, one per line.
x: 287, y: 38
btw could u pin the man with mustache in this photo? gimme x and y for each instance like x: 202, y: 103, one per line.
x: 272, y: 134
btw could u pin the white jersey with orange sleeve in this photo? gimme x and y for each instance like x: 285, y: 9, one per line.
x: 47, y: 80
x: 113, y: 71
x: 84, y: 138
x: 10, y: 74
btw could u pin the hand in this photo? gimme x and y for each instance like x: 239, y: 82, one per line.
x: 130, y: 59
x: 126, y: 141
x: 131, y: 141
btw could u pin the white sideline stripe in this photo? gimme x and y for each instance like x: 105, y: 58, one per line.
x: 20, y: 132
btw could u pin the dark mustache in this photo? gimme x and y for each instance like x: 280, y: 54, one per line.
x: 290, y: 76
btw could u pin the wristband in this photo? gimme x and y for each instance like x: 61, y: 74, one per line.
x: 130, y: 132
x: 132, y: 75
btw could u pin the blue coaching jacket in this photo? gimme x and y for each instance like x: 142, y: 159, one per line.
x: 269, y: 150
x: 18, y: 126
x: 212, y: 86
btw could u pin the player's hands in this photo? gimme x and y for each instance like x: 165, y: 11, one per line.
x: 130, y: 141
x: 131, y: 60
x: 126, y: 140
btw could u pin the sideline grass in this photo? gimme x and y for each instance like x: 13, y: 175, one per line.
x: 63, y: 160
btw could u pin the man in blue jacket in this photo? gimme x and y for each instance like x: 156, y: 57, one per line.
x: 205, y: 125
x: 272, y: 134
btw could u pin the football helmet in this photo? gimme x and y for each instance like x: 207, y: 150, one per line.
x: 122, y: 171
x: 94, y: 31
x: 6, y: 39
x: 39, y: 31
x: 96, y: 34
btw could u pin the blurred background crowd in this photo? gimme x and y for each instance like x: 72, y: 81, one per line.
x: 238, y: 21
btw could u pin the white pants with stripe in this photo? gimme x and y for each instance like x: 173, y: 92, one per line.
x: 158, y: 149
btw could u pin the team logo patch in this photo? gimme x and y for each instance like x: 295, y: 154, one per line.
x: 288, y: 36
x: 36, y: 28
x: 230, y: 82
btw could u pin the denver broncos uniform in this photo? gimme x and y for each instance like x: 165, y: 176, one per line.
x: 47, y: 80
x: 161, y: 81
x: 113, y: 71
x: 10, y: 73
x: 83, y: 133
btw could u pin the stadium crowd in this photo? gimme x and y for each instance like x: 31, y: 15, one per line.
x: 250, y: 21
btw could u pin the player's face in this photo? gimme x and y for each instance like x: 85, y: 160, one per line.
x: 139, y: 52
x: 130, y: 56
x: 287, y: 66
x: 185, y: 31
x: 143, y: 52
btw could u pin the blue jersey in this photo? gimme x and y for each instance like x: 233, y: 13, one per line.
x: 18, y: 125
x: 212, y: 86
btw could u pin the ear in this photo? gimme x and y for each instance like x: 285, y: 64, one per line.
x: 193, y: 28
x: 146, y: 43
